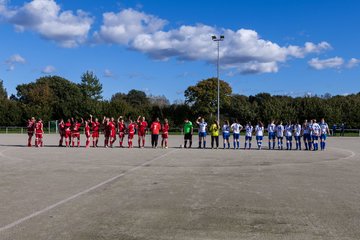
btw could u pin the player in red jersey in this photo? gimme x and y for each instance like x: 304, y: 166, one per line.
x: 95, y: 130
x: 61, y: 132
x: 112, y: 130
x: 106, y: 131
x: 131, y: 131
x: 75, y: 133
x: 121, y: 129
x: 68, y: 133
x: 155, y: 130
x: 30, y: 129
x: 142, y: 129
x: 39, y: 130
x: 165, y: 134
x: 87, y: 133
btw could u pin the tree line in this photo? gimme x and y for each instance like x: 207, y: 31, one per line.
x: 54, y: 97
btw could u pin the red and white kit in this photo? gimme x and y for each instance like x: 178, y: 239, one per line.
x: 131, y: 131
x: 39, y: 134
x: 122, y: 128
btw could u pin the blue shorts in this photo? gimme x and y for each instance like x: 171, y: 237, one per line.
x: 298, y: 138
x: 202, y: 134
x: 226, y: 136
x: 236, y: 136
x: 306, y: 137
x: 289, y: 138
x: 248, y: 138
x: 259, y: 138
x: 315, y: 138
x: 323, y: 136
x: 272, y: 135
x: 281, y: 138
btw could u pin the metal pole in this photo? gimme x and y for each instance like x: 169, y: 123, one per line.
x: 218, y: 83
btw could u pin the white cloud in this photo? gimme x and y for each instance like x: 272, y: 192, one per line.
x: 243, y: 50
x: 124, y: 26
x: 108, y: 73
x: 13, y: 60
x: 48, y: 69
x: 353, y: 62
x: 47, y: 19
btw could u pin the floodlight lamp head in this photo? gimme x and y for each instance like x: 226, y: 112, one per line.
x: 213, y: 37
x: 222, y: 37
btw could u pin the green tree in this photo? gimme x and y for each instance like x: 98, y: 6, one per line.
x: 203, y: 96
x: 90, y: 86
x: 3, y: 93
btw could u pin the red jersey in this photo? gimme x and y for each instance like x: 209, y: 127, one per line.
x: 31, y: 126
x: 131, y: 128
x: 76, y: 127
x: 39, y: 127
x: 142, y: 126
x: 121, y: 127
x: 165, y: 128
x: 95, y: 126
x: 87, y: 130
x: 67, y: 126
x: 155, y: 128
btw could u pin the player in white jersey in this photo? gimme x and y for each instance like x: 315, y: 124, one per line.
x: 226, y: 134
x: 324, y: 131
x: 316, y: 132
x: 297, y: 134
x: 289, y: 135
x: 280, y: 135
x: 306, y: 134
x: 259, y: 132
x: 202, y: 131
x: 236, y: 128
x: 272, y: 132
x: 248, y: 135
x: 311, y: 137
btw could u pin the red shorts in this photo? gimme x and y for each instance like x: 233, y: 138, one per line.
x: 113, y: 134
x: 95, y: 134
x: 38, y: 135
x: 165, y: 135
x: 67, y: 134
x: 121, y: 134
x: 141, y: 133
x: 131, y: 135
x: 75, y: 135
x: 87, y: 134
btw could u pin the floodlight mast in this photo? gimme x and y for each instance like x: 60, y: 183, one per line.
x: 218, y: 40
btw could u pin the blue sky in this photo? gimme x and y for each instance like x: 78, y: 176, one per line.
x: 162, y: 47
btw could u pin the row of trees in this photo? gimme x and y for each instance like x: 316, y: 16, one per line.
x: 54, y: 97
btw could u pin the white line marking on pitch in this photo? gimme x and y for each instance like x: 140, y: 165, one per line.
x: 352, y: 154
x: 17, y: 222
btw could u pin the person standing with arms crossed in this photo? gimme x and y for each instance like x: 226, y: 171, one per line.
x: 155, y: 130
x: 214, y: 130
x: 188, y: 132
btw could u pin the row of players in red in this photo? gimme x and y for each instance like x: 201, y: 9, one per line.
x: 70, y: 131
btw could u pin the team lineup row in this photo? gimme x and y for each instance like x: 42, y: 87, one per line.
x: 310, y: 131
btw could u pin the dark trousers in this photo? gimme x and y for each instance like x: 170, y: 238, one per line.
x: 216, y: 139
x: 154, y: 140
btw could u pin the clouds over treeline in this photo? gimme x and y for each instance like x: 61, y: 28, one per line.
x: 243, y: 50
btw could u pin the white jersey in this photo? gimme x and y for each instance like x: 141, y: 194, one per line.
x: 297, y: 128
x: 226, y: 128
x: 202, y: 127
x: 259, y: 131
x: 249, y: 130
x: 324, y: 128
x: 311, y: 131
x: 316, y: 130
x: 236, y: 127
x: 288, y: 130
x: 271, y: 128
x: 280, y: 130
